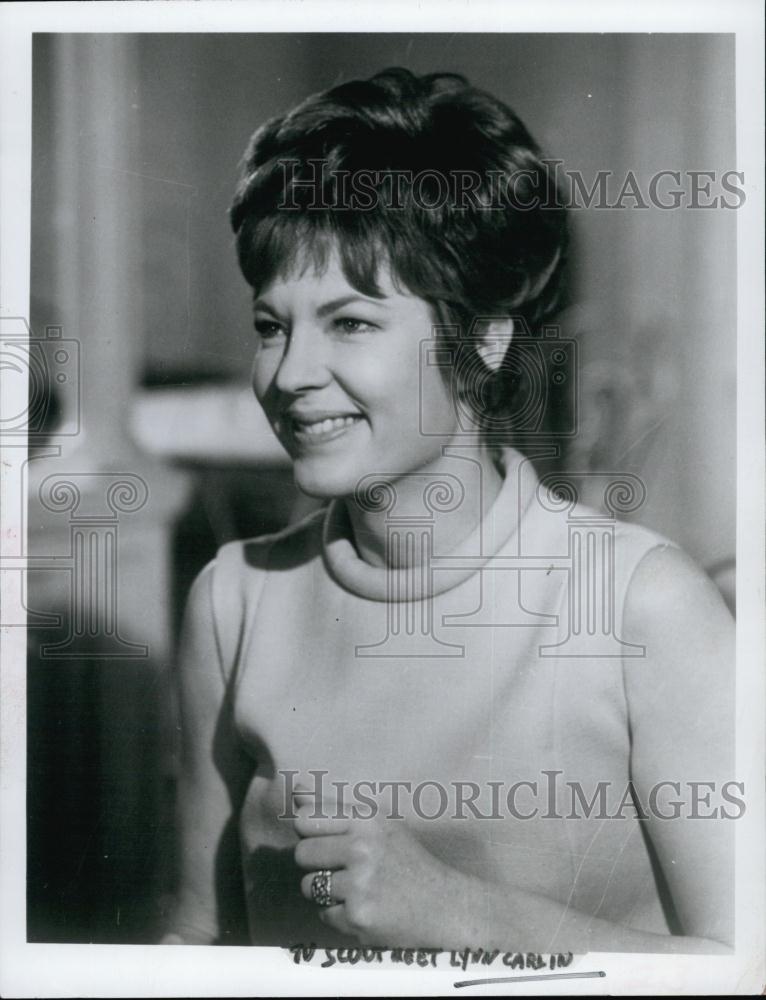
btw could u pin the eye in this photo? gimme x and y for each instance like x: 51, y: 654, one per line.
x: 268, y: 329
x: 352, y: 324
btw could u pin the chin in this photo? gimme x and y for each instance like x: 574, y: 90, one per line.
x: 324, y: 479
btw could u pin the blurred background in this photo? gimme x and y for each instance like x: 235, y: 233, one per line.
x: 147, y: 450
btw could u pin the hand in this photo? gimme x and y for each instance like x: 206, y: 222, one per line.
x: 390, y: 890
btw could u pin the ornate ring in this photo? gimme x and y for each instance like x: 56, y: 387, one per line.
x: 321, y: 888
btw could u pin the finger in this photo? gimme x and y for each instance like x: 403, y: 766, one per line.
x: 322, y: 852
x: 335, y: 917
x: 303, y: 796
x: 339, y: 887
x: 307, y: 825
x: 322, y: 802
x: 320, y: 799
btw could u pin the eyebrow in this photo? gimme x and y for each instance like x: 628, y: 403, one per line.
x: 326, y: 308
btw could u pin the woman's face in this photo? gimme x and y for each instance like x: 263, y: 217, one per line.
x: 338, y: 375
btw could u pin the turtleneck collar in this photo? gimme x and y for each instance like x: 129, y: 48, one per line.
x: 382, y: 583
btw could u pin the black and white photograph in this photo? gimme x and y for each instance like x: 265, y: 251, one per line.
x: 382, y: 501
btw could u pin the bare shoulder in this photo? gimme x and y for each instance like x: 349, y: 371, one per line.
x: 680, y: 690
x: 669, y: 591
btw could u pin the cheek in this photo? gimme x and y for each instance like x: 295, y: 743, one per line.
x: 262, y: 372
x: 389, y: 387
x: 437, y: 406
x: 372, y: 377
x: 404, y: 395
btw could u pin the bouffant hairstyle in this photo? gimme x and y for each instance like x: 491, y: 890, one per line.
x: 437, y: 179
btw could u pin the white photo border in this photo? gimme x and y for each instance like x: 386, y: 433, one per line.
x: 40, y: 970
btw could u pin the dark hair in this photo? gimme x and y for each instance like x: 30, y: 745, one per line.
x: 494, y: 246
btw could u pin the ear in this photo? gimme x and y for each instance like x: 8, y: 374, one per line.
x: 495, y: 336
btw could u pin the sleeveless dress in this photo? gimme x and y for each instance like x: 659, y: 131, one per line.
x: 494, y: 674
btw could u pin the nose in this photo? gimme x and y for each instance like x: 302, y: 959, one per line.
x: 303, y: 364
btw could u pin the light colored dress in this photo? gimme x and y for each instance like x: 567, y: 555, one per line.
x: 500, y: 663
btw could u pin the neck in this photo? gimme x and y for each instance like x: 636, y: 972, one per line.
x: 473, y: 482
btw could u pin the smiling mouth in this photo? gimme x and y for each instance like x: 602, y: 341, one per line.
x: 319, y: 431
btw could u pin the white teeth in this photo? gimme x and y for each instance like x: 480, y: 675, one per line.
x: 325, y: 426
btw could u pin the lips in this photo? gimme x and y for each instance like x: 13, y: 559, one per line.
x: 320, y: 426
x: 323, y: 425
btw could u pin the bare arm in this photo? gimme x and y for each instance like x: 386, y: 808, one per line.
x: 214, y: 772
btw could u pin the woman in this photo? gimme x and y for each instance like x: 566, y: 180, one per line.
x: 451, y: 708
